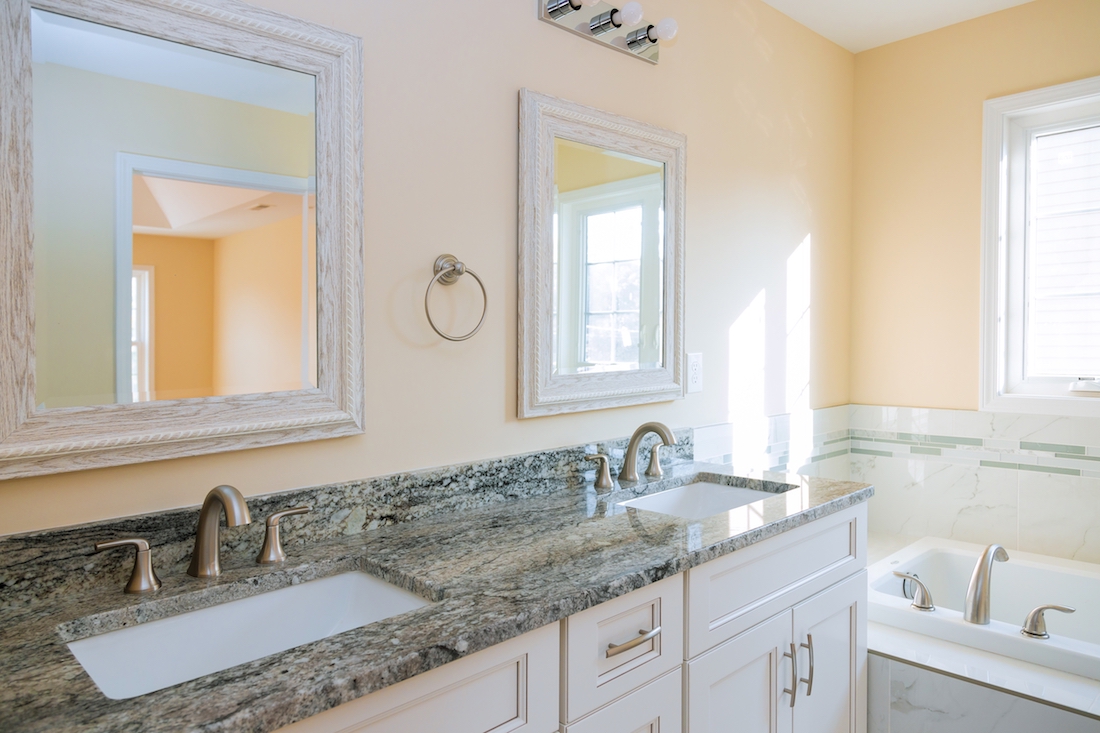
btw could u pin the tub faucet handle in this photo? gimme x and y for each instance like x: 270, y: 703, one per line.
x: 922, y: 599
x: 1035, y: 625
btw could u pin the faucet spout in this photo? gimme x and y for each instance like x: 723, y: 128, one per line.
x: 976, y: 610
x: 629, y: 470
x: 206, y: 560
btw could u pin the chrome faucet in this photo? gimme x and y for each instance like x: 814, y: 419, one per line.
x: 976, y: 610
x: 629, y: 470
x: 205, y: 561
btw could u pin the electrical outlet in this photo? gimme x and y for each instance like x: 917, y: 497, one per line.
x: 695, y: 373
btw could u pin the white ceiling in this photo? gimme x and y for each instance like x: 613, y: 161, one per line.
x: 174, y: 208
x: 58, y: 39
x: 858, y: 25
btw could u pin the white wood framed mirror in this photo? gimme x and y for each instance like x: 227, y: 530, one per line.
x: 601, y: 259
x: 181, y: 254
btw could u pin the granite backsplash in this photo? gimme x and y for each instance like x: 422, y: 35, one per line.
x: 38, y: 566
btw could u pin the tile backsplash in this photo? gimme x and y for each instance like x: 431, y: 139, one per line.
x: 1029, y: 482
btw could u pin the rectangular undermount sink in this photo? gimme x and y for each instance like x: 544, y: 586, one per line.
x: 158, y: 654
x: 698, y: 501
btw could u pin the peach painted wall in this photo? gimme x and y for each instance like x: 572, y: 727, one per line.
x: 257, y: 293
x: 766, y: 106
x: 183, y: 313
x: 917, y: 190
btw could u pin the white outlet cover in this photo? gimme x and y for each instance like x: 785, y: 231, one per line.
x: 694, y: 372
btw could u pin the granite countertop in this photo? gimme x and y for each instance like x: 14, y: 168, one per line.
x: 492, y: 573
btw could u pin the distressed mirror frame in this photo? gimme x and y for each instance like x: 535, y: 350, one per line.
x: 34, y: 442
x: 541, y: 392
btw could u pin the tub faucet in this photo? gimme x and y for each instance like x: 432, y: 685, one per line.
x: 205, y: 560
x: 629, y: 470
x: 976, y: 610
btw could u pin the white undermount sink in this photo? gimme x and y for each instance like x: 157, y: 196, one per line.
x: 158, y: 654
x: 698, y: 501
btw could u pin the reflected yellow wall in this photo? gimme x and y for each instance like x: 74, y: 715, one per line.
x: 579, y: 166
x: 766, y: 106
x: 917, y: 190
x: 81, y: 121
x: 183, y: 325
x: 258, y: 310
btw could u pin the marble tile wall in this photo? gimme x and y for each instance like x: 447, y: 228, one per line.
x: 902, y: 698
x: 1029, y: 482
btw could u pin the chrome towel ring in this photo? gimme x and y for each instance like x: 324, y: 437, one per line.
x: 447, y: 271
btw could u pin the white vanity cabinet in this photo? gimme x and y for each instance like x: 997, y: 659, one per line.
x: 715, y: 649
x: 749, y: 679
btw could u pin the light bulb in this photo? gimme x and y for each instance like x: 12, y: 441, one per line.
x: 631, y: 13
x: 667, y: 28
x: 590, y: 3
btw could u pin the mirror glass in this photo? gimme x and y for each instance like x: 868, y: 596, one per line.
x: 608, y: 260
x: 174, y: 222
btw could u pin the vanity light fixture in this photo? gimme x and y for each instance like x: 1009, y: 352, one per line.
x: 645, y: 37
x: 631, y: 14
x: 558, y: 8
x: 622, y: 28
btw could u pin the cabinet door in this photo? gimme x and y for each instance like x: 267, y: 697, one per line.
x: 834, y: 623
x: 737, y: 687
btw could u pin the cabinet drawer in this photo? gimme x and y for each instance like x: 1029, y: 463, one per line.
x: 512, y: 686
x: 594, y: 673
x: 728, y: 595
x: 654, y: 708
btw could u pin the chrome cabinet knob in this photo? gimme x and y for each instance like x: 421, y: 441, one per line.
x: 1035, y: 625
x: 142, y: 578
x: 922, y: 599
x: 272, y: 551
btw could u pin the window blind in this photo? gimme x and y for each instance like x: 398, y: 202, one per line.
x: 1063, y: 255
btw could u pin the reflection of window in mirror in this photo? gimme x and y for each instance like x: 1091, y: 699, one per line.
x: 608, y: 260
x: 153, y: 155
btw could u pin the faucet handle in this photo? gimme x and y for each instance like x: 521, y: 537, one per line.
x: 272, y: 551
x: 142, y: 579
x: 1035, y: 625
x: 654, y: 469
x: 922, y: 599
x: 603, y: 470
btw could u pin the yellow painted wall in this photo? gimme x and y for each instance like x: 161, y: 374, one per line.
x: 81, y: 121
x: 767, y: 109
x: 581, y: 166
x: 257, y: 293
x: 183, y: 313
x: 917, y: 190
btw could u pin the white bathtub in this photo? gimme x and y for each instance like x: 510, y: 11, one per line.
x: 1017, y: 586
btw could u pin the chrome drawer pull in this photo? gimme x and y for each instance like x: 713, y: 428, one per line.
x: 613, y: 649
x: 793, y: 689
x: 809, y: 682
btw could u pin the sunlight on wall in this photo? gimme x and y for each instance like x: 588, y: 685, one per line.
x: 746, y: 387
x: 798, y: 356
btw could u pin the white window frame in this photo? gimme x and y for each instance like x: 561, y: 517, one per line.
x: 1009, y: 125
x: 146, y: 390
x: 574, y: 207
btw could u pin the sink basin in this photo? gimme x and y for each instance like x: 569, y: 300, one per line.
x: 698, y: 501
x: 158, y: 654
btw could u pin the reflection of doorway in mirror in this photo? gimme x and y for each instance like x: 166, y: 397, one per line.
x: 234, y: 310
x: 609, y: 276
